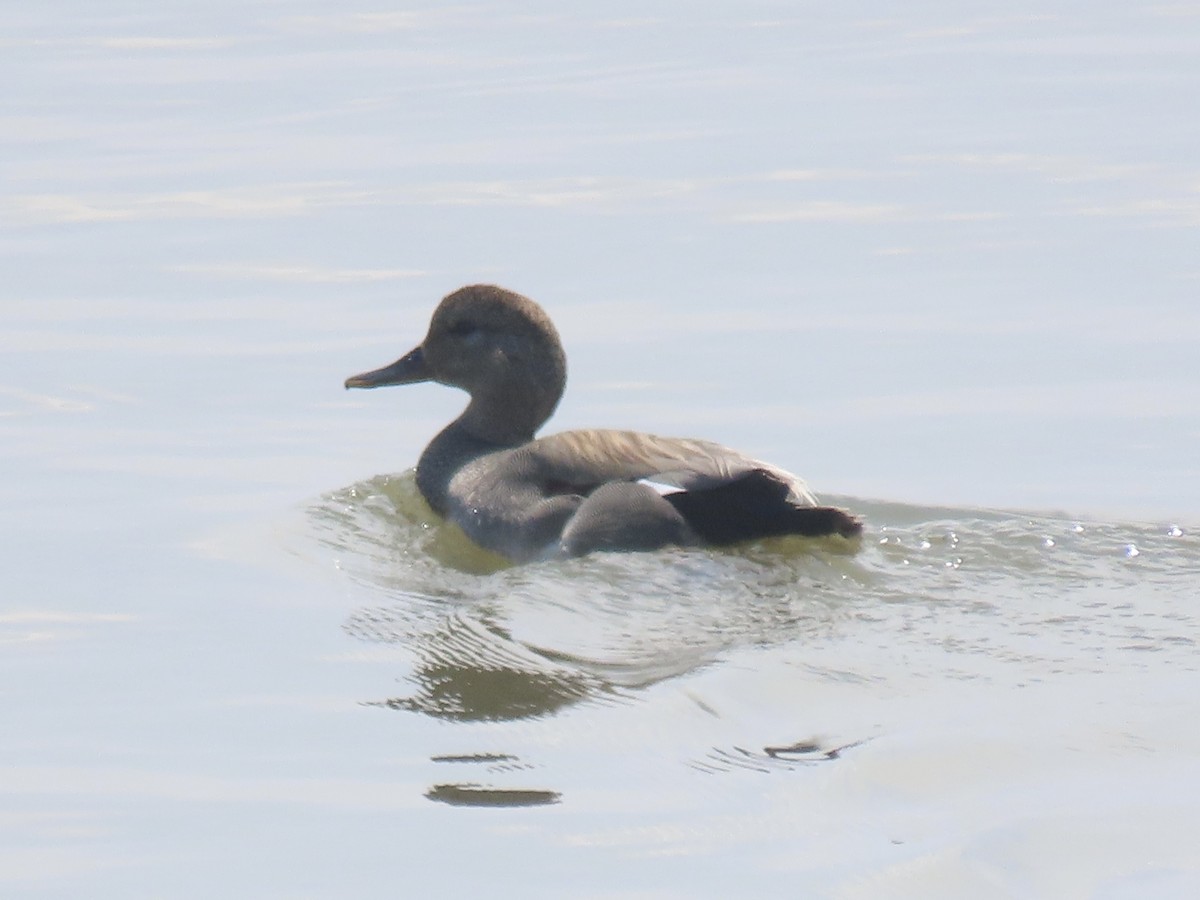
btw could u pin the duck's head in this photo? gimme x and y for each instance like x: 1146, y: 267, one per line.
x: 499, y: 347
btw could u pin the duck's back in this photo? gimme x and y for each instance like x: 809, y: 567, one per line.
x: 576, y: 491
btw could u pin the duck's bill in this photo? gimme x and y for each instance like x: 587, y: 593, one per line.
x: 409, y: 369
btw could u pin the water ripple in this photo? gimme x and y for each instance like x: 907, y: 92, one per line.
x: 966, y: 594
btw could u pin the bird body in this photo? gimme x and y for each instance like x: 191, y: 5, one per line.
x: 577, y: 491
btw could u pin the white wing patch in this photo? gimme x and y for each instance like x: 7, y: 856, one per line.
x: 659, y: 487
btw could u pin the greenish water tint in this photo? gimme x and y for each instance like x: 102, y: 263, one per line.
x: 936, y: 598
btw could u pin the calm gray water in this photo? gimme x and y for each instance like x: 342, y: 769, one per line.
x: 940, y: 261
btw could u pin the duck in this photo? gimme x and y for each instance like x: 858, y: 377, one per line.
x: 577, y: 492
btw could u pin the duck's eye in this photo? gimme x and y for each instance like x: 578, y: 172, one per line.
x: 463, y: 328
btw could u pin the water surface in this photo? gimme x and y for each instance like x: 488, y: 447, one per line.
x: 941, y: 263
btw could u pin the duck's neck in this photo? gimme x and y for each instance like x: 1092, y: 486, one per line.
x: 477, y: 432
x: 453, y: 448
x: 505, y: 421
x: 501, y: 415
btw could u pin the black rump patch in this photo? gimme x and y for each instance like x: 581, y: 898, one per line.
x: 757, y: 505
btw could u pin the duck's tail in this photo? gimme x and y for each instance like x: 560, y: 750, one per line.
x: 757, y: 505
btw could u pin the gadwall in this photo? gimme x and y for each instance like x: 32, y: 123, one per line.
x: 576, y: 492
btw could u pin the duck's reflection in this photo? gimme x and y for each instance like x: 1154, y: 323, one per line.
x: 488, y: 645
x: 478, y: 795
x: 471, y: 670
x: 462, y: 678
